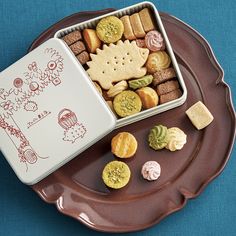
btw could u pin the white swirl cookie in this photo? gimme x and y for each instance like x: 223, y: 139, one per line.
x: 117, y: 88
x: 176, y: 139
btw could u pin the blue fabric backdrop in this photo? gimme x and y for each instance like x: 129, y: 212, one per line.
x: 22, y: 212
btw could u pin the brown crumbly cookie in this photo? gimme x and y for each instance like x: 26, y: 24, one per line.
x: 167, y: 87
x: 124, y: 145
x: 91, y: 39
x: 170, y: 96
x: 128, y: 31
x: 77, y: 47
x: 162, y: 76
x: 146, y: 20
x: 83, y: 57
x: 72, y: 37
x: 137, y: 26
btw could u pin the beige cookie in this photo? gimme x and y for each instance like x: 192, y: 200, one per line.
x: 137, y: 26
x: 146, y: 19
x: 124, y: 145
x: 128, y: 31
x: 98, y: 87
x: 199, y: 115
x: 117, y: 88
x: 116, y: 62
x: 148, y: 97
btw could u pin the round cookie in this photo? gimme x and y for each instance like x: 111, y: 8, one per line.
x: 148, y: 97
x: 116, y: 174
x: 157, y: 61
x: 127, y: 103
x: 124, y: 145
x: 110, y: 29
x: 158, y: 137
x: 151, y: 170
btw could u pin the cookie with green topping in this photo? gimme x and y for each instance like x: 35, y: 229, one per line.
x: 141, y: 82
x: 158, y: 137
x: 127, y: 103
x: 110, y: 29
x: 116, y: 174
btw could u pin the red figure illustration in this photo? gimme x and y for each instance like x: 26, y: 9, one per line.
x: 73, y: 128
x: 32, y: 83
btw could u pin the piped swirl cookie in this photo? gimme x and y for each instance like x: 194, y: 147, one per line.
x: 176, y: 139
x: 157, y: 137
x: 157, y: 61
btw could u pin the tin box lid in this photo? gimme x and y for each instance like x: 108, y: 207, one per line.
x: 50, y: 111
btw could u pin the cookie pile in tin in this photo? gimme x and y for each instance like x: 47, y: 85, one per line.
x: 126, y: 58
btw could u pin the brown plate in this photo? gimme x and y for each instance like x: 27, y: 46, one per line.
x: 77, y: 188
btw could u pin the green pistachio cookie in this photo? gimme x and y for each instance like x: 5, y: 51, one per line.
x: 116, y: 174
x: 110, y: 29
x: 127, y: 103
x: 141, y: 82
x: 158, y: 137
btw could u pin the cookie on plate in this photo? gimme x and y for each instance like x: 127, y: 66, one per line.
x: 176, y: 139
x: 158, y: 137
x: 148, y: 97
x: 124, y: 145
x: 199, y: 115
x: 116, y: 174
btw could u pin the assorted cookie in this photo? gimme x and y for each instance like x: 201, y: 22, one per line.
x: 199, y: 115
x: 127, y: 53
x: 161, y: 137
x: 151, y: 170
x: 116, y: 174
x: 124, y: 145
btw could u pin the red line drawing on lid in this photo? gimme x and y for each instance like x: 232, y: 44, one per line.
x: 30, y: 84
x: 67, y: 119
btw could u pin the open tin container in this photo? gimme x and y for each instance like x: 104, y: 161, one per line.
x: 50, y: 111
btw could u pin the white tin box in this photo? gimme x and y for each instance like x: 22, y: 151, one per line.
x: 48, y: 105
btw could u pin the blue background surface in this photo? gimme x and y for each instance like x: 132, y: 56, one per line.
x: 22, y: 212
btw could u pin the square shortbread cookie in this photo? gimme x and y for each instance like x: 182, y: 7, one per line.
x: 199, y: 115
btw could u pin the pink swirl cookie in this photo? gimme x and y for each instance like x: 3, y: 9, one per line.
x: 154, y: 41
x: 151, y: 170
